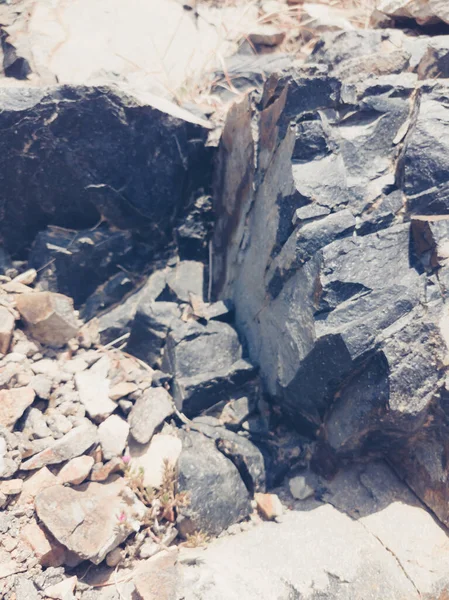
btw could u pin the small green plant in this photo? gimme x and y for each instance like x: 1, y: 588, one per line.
x: 196, y: 539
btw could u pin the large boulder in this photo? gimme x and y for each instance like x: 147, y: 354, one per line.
x: 424, y: 13
x: 346, y: 311
x: 76, y: 154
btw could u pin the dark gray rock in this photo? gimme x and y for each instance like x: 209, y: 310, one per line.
x: 192, y: 236
x: 245, y: 455
x: 148, y: 413
x: 75, y: 263
x: 150, y: 329
x: 426, y: 166
x: 108, y: 294
x: 118, y: 321
x: 207, y: 365
x: 76, y: 154
x: 339, y: 296
x: 218, y: 496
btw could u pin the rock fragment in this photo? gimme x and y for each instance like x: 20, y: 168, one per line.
x: 64, y: 590
x: 148, y: 414
x: 76, y: 470
x: 268, y: 505
x: 218, y: 496
x: 73, y: 444
x: 112, y: 435
x: 48, y: 551
x: 152, y: 457
x: 49, y: 317
x: 91, y: 519
x: 93, y: 388
x: 13, y: 404
x: 158, y: 578
x: 7, y: 323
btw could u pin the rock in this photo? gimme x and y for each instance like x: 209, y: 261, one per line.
x: 151, y: 457
x: 42, y: 386
x: 149, y: 549
x: 269, y: 506
x: 122, y: 389
x: 192, y: 236
x: 266, y: 35
x: 113, y: 291
x: 427, y: 13
x: 49, y: 317
x: 71, y: 445
x: 90, y: 120
x: 151, y: 326
x: 76, y: 264
x: 13, y: 404
x: 435, y: 62
x: 93, y: 388
x: 363, y: 543
x: 101, y: 472
x: 319, y: 18
x: 158, y: 578
x: 114, y: 558
x: 301, y: 487
x: 25, y: 589
x: 186, y: 279
x: 35, y: 484
x: 11, y: 487
x: 148, y: 414
x: 218, y: 496
x: 62, y: 591
x: 207, y: 364
x: 87, y: 519
x: 245, y: 455
x: 48, y: 551
x: 76, y: 470
x: 119, y: 320
x: 7, y: 323
x: 112, y: 435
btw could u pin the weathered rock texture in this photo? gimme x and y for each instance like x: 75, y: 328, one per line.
x: 76, y: 154
x: 337, y: 277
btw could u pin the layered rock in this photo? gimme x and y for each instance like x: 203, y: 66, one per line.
x: 337, y: 278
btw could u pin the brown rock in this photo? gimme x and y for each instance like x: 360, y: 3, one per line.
x: 47, y: 550
x: 36, y: 483
x: 266, y: 35
x: 91, y: 519
x: 13, y: 404
x: 7, y: 322
x: 49, y: 317
x: 268, y: 505
x: 76, y: 470
x: 157, y: 578
x: 72, y: 444
x: 101, y: 472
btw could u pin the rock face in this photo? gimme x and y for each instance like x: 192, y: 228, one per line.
x: 346, y: 317
x: 102, y: 147
x: 359, y: 545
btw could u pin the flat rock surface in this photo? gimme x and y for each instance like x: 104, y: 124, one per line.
x: 373, y: 540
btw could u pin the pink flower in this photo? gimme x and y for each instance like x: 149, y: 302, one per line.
x: 121, y: 517
x: 126, y: 459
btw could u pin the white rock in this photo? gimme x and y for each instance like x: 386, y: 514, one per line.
x: 113, y: 434
x: 299, y: 488
x: 93, y: 388
x: 151, y: 457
